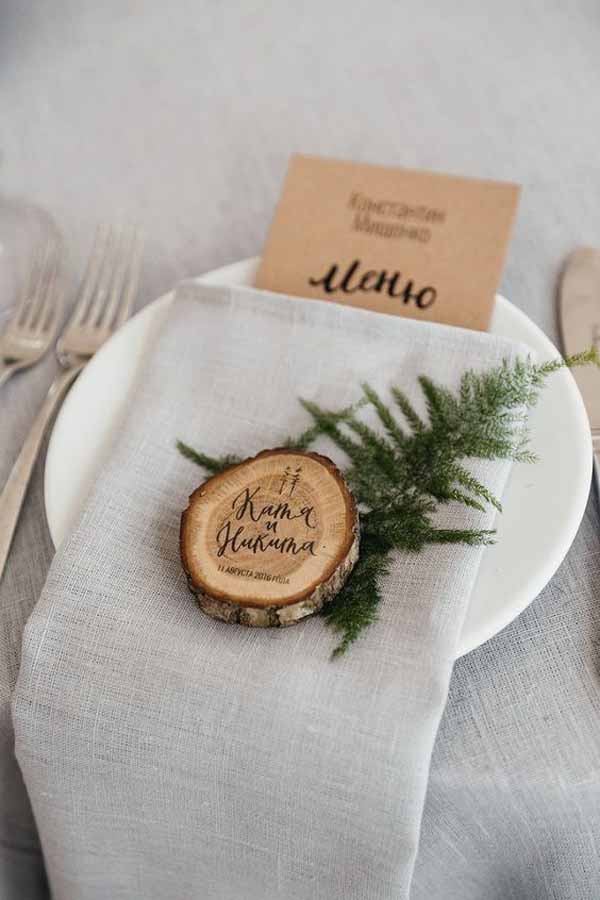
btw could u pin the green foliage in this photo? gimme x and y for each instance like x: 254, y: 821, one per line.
x: 403, y: 471
x: 210, y: 463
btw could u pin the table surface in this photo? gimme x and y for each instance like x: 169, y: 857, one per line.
x: 182, y: 117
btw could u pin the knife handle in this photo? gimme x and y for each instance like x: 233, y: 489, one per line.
x: 596, y: 467
x: 596, y: 478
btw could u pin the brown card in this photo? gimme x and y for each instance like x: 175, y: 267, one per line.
x: 414, y: 244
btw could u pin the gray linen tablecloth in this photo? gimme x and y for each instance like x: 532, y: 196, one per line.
x: 182, y: 116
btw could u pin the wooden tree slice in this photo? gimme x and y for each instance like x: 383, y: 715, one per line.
x: 269, y: 541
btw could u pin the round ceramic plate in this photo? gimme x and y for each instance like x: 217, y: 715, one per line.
x: 543, y: 503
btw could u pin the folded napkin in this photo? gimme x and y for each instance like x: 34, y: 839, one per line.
x: 168, y: 755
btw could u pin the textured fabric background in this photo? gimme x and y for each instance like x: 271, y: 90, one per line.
x: 182, y: 115
x: 168, y: 755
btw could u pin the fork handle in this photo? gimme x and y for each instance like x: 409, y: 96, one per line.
x: 13, y: 494
x: 6, y: 370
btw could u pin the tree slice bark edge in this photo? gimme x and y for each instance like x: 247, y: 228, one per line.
x: 225, y: 608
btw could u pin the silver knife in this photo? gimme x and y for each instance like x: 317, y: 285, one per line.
x: 579, y: 303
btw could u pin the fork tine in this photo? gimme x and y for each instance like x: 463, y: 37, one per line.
x: 23, y: 306
x: 131, y: 286
x: 51, y: 305
x: 90, y: 279
x: 110, y: 264
x: 45, y: 290
x: 44, y: 287
x: 127, y: 252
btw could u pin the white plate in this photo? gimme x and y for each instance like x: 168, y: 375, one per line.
x: 543, y: 503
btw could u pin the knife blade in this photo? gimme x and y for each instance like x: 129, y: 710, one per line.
x: 579, y: 313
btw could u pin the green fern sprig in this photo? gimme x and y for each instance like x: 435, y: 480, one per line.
x: 400, y: 476
x: 212, y: 464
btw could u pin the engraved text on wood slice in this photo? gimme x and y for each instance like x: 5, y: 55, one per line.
x: 268, y: 541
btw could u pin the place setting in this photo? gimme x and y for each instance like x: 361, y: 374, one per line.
x: 537, y: 524
x: 285, y: 497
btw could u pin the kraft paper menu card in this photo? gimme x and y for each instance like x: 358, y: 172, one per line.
x: 410, y: 243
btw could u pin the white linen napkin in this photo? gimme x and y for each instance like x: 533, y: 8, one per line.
x: 168, y: 755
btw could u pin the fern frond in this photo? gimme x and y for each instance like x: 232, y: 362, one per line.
x: 471, y: 537
x: 400, y: 477
x: 476, y: 487
x: 393, y: 429
x: 355, y: 608
x: 408, y: 410
x: 212, y: 464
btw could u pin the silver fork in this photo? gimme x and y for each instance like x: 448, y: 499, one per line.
x: 104, y: 303
x: 33, y: 325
